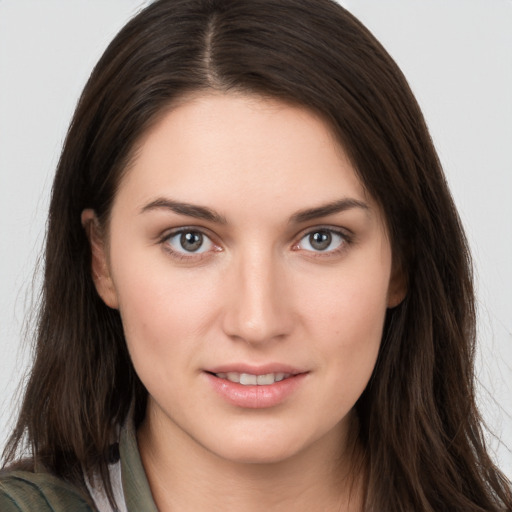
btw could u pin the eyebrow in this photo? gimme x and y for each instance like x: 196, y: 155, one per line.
x: 204, y: 213
x: 328, y: 209
x: 190, y: 210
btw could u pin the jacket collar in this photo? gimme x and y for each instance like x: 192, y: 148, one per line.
x: 137, y: 493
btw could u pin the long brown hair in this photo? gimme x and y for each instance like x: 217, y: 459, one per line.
x: 419, y: 425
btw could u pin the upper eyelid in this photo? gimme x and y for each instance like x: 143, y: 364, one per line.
x: 184, y: 229
x: 344, y: 232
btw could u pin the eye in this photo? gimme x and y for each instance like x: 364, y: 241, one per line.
x: 321, y: 240
x: 189, y: 241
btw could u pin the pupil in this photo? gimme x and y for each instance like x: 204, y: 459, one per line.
x: 191, y: 241
x: 320, y: 240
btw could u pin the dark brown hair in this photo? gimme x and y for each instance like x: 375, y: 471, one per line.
x: 419, y: 425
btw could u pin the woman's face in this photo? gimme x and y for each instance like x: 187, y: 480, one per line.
x: 252, y: 273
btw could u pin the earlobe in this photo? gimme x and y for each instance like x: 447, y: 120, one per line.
x: 100, y: 270
x: 397, y: 288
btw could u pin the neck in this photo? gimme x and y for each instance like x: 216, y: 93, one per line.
x: 186, y: 477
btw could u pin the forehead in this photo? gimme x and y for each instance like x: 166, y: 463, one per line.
x: 213, y: 148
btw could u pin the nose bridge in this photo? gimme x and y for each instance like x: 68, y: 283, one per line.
x: 257, y: 310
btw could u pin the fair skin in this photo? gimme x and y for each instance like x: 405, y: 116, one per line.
x: 221, y: 258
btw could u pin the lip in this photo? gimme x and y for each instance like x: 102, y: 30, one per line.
x: 256, y: 369
x: 254, y: 396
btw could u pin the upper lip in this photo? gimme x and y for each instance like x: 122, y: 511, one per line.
x: 253, y: 369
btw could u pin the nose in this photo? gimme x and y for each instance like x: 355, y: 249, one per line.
x: 258, y: 301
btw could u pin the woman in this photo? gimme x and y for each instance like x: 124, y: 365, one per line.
x: 257, y: 289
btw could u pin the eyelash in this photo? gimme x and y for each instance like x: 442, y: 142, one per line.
x: 345, y: 240
x: 184, y: 255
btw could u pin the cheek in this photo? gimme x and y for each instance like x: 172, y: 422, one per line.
x: 164, y: 314
x: 351, y: 307
x: 346, y: 319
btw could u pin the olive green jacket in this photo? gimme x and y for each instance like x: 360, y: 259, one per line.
x: 23, y: 491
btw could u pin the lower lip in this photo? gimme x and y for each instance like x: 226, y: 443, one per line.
x: 256, y: 397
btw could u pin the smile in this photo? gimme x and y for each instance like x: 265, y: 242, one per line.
x: 248, y: 379
x: 257, y: 389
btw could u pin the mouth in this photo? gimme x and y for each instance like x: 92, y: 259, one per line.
x: 259, y: 388
x: 249, y: 379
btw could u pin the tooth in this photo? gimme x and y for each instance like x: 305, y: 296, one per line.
x: 248, y: 380
x: 267, y: 379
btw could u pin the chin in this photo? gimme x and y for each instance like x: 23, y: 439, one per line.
x: 258, y: 448
x: 257, y: 456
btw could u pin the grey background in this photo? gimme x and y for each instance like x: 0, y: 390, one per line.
x: 457, y: 55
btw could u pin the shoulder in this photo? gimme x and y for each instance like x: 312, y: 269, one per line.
x: 24, y: 491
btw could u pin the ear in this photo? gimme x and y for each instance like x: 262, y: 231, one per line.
x: 100, y: 268
x: 397, y: 289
